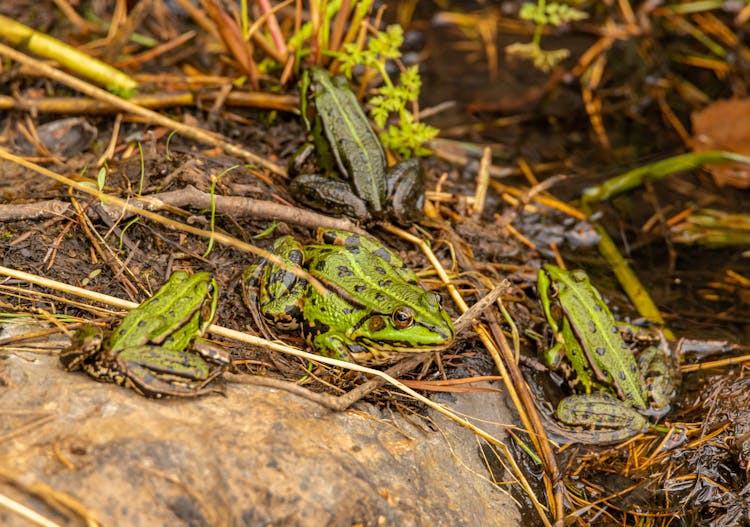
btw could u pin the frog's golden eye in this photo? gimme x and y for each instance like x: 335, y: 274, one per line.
x: 403, y: 317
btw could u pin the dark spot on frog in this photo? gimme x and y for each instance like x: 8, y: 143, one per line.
x: 353, y: 249
x: 383, y: 253
x: 597, y: 307
x: 379, y: 296
x: 141, y: 323
x: 356, y: 347
x: 320, y: 265
x: 281, y: 277
x: 293, y: 311
x: 295, y: 255
x: 592, y: 327
x: 348, y: 310
x: 385, y: 283
x: 379, y: 269
x: 600, y: 351
x: 621, y: 375
x: 360, y: 288
x: 314, y: 327
x: 344, y: 271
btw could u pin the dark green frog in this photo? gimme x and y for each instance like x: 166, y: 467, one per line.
x: 356, y: 180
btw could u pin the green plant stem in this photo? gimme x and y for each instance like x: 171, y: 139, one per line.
x: 45, y: 46
x: 542, y: 5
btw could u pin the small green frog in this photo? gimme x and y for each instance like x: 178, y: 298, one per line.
x: 587, y: 335
x: 152, y: 350
x: 356, y: 181
x: 374, y: 309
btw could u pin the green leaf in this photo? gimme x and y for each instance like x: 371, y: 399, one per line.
x: 101, y: 178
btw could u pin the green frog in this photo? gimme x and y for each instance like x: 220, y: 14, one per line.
x: 356, y: 181
x: 156, y: 349
x: 619, y: 391
x: 374, y: 309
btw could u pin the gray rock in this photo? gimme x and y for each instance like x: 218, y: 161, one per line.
x: 255, y: 457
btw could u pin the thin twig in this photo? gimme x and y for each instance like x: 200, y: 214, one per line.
x: 151, y: 116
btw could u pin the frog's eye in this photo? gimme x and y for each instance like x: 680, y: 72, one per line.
x: 403, y: 317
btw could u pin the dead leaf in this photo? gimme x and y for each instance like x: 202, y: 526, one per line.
x: 721, y: 126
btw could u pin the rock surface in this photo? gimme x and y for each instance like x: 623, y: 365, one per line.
x: 255, y: 457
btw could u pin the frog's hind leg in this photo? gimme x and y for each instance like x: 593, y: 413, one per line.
x: 154, y: 371
x: 251, y: 280
x: 282, y: 292
x: 272, y: 294
x: 147, y: 383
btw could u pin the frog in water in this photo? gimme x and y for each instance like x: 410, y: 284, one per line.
x: 356, y: 181
x: 619, y: 391
x: 156, y: 350
x: 374, y: 310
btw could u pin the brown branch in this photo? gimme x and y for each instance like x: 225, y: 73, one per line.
x: 235, y: 206
x: 31, y: 211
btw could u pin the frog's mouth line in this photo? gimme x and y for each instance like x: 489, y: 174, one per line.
x: 393, y: 346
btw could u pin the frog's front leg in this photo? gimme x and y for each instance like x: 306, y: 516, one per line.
x: 405, y: 191
x: 339, y: 346
x: 215, y: 354
x: 328, y: 194
x: 659, y: 380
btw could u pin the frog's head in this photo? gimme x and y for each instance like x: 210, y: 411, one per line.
x: 422, y: 326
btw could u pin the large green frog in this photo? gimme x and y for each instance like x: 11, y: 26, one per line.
x: 374, y: 309
x: 619, y: 390
x: 156, y: 349
x: 356, y: 180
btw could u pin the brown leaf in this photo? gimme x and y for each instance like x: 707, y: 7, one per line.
x: 725, y: 125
